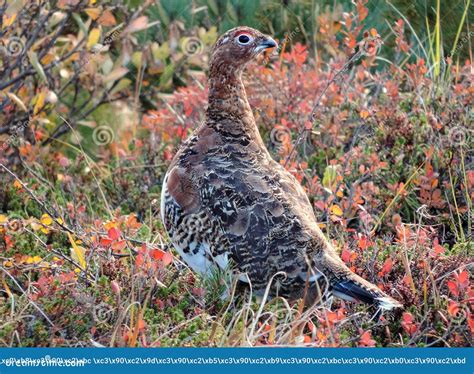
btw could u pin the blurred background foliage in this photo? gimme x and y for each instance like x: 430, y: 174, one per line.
x: 278, y: 17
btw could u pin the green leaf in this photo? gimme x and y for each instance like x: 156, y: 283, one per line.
x: 329, y: 177
x: 80, y: 23
x: 121, y: 85
x: 160, y: 53
x: 37, y: 65
x: 137, y: 59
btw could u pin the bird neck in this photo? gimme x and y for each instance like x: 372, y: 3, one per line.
x: 228, y: 108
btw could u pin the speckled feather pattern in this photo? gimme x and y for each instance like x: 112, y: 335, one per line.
x: 227, y: 203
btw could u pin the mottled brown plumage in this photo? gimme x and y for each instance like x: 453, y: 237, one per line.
x: 226, y: 202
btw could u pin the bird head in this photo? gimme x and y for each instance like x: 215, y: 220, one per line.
x: 234, y: 49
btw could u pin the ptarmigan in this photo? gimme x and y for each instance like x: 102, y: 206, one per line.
x: 226, y: 203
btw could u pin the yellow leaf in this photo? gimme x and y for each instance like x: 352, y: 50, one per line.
x: 336, y: 210
x: 110, y: 224
x: 8, y: 20
x: 44, y: 230
x: 46, y: 220
x: 94, y: 37
x: 5, y: 286
x: 47, y: 59
x: 137, y: 58
x: 8, y: 264
x: 39, y: 102
x: 77, y: 252
x: 3, y: 219
x: 35, y: 226
x: 93, y: 13
x: 17, y: 185
x: 37, y: 259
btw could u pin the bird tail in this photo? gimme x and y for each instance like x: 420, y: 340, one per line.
x: 358, y: 289
x: 349, y: 286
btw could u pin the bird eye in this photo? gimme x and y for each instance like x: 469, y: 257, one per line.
x: 244, y: 39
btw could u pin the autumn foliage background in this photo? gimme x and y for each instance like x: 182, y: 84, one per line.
x: 368, y: 103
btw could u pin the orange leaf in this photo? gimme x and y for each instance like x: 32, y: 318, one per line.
x: 17, y: 185
x: 364, y: 113
x: 374, y: 33
x: 107, y: 19
x: 141, y: 324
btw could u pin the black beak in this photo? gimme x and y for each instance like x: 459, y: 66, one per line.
x: 269, y: 43
x: 265, y: 44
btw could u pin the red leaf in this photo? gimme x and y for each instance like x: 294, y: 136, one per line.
x: 407, y: 317
x: 453, y: 287
x: 139, y: 260
x: 387, y: 267
x: 463, y: 279
x: 453, y: 308
x: 113, y: 233
x: 167, y: 258
x: 408, y: 324
x: 105, y: 242
x: 366, y: 340
x: 470, y: 322
x: 438, y: 249
x: 346, y: 256
x: 157, y: 254
x: 114, y: 285
x: 118, y: 246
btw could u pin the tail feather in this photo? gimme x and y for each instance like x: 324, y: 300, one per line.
x: 353, y: 290
x: 349, y: 286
